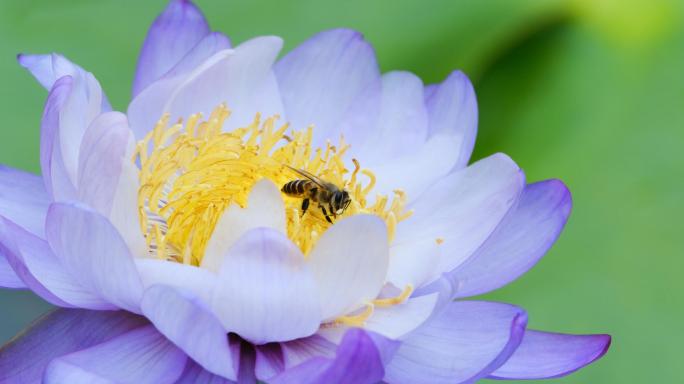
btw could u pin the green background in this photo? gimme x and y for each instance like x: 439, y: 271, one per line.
x: 591, y: 92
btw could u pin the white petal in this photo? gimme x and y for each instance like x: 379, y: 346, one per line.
x: 198, y: 281
x: 349, y: 263
x: 399, y: 320
x: 265, y: 208
x: 265, y: 290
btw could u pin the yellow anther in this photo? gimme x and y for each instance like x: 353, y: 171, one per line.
x: 439, y: 241
x: 391, y: 301
x: 358, y: 320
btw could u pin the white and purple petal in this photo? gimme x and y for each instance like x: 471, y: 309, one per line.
x: 521, y: 239
x: 465, y: 342
x: 188, y: 322
x: 265, y: 291
x: 321, y: 79
x: 139, y: 356
x: 23, y: 360
x: 172, y: 35
x: 543, y: 355
x: 93, y: 251
x: 349, y: 264
x: 453, y: 218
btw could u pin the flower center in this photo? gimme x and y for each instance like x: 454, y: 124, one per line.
x: 192, y: 171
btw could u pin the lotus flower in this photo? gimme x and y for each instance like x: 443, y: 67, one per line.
x: 164, y: 237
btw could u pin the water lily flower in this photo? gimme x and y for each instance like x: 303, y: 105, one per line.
x: 165, y: 237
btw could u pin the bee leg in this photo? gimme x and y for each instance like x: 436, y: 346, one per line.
x: 327, y: 217
x: 305, y: 206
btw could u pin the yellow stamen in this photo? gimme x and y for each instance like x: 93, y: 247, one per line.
x: 191, y: 173
x: 391, y: 301
x: 358, y: 320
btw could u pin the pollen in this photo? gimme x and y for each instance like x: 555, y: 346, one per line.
x: 191, y: 171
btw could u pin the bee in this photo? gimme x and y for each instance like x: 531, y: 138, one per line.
x: 312, y: 188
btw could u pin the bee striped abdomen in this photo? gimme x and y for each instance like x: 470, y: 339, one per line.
x: 296, y: 187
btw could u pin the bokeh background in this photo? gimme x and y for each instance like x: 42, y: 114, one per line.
x: 588, y: 91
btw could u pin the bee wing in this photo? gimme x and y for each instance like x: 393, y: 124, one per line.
x: 309, y: 176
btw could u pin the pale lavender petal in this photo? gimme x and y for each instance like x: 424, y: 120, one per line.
x: 241, y: 78
x: 402, y: 124
x: 55, y: 175
x: 61, y: 332
x: 94, y: 252
x: 265, y: 291
x: 521, y: 239
x: 48, y: 69
x: 187, y: 322
x: 195, y: 374
x: 23, y: 199
x: 172, y: 35
x: 452, y: 109
x: 349, y: 263
x: 42, y: 272
x: 359, y: 359
x: 543, y: 355
x: 198, y: 281
x: 206, y: 48
x: 140, y: 356
x: 80, y: 104
x: 322, y: 78
x: 103, y: 150
x: 458, y: 214
x: 464, y: 343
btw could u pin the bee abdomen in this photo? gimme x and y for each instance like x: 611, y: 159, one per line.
x: 295, y: 187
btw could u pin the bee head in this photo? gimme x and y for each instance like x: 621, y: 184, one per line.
x: 341, y: 201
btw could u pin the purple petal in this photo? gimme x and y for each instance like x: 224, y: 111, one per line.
x: 265, y: 291
x: 42, y: 272
x: 462, y: 210
x: 206, y: 48
x: 544, y: 355
x: 521, y: 239
x: 139, y: 356
x: 9, y: 278
x: 23, y: 199
x: 172, y: 35
x: 63, y: 331
x: 359, y: 359
x: 321, y: 79
x: 465, y: 342
x: 349, y: 263
x: 452, y: 109
x: 94, y: 252
x: 187, y: 322
x: 195, y: 374
x: 242, y: 78
x: 102, y: 153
